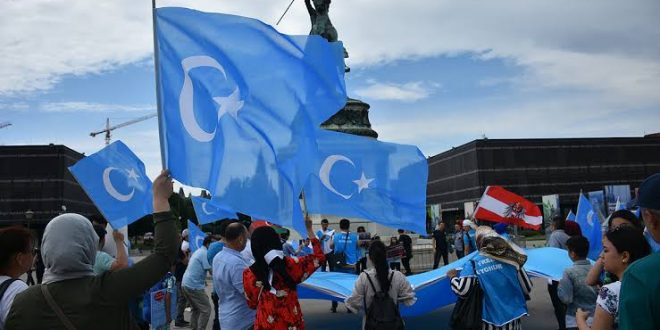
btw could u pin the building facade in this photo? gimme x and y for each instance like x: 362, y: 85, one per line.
x: 36, y: 185
x: 536, y: 167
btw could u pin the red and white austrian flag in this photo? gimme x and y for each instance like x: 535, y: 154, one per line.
x: 500, y: 205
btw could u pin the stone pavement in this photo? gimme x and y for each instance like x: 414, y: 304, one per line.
x: 317, y: 314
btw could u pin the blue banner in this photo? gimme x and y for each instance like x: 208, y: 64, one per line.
x: 356, y: 176
x: 115, y: 180
x: 195, y: 237
x: 208, y: 211
x: 241, y: 103
x: 590, y: 225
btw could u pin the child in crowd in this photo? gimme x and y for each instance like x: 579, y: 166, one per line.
x: 573, y: 290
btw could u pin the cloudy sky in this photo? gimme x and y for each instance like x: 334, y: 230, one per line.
x: 437, y: 73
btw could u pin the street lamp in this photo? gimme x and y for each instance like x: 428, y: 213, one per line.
x: 28, y: 216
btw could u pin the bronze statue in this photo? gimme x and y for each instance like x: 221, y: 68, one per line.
x: 321, y: 24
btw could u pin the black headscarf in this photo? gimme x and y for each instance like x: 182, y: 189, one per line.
x: 264, y: 240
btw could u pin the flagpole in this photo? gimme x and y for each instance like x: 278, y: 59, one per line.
x: 285, y: 11
x: 161, y: 133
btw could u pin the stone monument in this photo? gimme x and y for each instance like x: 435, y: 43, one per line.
x: 353, y: 118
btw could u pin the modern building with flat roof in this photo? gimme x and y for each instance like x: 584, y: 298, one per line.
x: 36, y: 186
x: 536, y: 167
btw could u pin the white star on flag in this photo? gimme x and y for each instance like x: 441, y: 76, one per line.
x: 132, y: 174
x: 363, y: 183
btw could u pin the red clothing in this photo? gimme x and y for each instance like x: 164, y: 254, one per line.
x: 281, y: 310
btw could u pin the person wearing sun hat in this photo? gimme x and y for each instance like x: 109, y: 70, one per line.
x: 639, y: 302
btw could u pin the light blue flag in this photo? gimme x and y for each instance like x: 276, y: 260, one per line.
x: 115, y: 180
x: 570, y: 216
x: 208, y: 211
x: 361, y: 177
x: 241, y: 103
x: 591, y: 227
x: 195, y: 237
x: 619, y: 206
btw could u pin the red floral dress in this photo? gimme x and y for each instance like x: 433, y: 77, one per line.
x: 281, y: 310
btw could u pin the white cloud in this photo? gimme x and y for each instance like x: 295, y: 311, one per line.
x: 559, y: 43
x: 14, y: 106
x: 75, y: 106
x: 407, y: 92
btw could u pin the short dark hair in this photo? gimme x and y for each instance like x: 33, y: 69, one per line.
x: 559, y: 222
x: 222, y: 228
x: 207, y: 240
x: 625, y: 215
x: 13, y: 240
x: 234, y: 231
x: 344, y: 224
x: 578, y: 245
x: 361, y: 229
x: 285, y: 234
x: 324, y: 221
x: 98, y: 219
x: 629, y: 239
x: 100, y: 232
x: 400, y: 231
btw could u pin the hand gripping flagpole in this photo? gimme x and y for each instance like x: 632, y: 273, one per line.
x: 159, y: 108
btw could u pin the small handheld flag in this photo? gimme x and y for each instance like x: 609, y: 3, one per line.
x: 115, y: 180
x: 500, y: 205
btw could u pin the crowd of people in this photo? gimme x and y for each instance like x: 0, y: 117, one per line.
x: 255, y: 273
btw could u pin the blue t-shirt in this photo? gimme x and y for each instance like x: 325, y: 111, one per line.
x: 348, y: 244
x: 471, y: 239
x: 214, y: 249
x: 504, y: 300
x: 195, y: 275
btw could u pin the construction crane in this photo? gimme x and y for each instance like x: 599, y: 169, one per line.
x: 109, y: 128
x: 5, y: 124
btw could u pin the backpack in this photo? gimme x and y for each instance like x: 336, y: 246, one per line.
x: 339, y: 258
x: 383, y: 312
x: 5, y: 285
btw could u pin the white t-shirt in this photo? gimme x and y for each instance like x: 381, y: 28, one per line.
x: 8, y: 298
x: 608, y: 299
x: 247, y: 253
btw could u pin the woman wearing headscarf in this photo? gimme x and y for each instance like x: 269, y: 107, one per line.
x: 505, y: 285
x: 270, y: 283
x: 71, y: 295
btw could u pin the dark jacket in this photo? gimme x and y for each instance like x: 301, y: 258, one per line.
x: 98, y: 302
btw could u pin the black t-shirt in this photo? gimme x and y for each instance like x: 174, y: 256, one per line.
x: 407, y: 243
x: 180, y: 267
x: 440, y: 239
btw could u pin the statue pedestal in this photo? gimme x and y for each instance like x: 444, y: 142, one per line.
x: 353, y: 118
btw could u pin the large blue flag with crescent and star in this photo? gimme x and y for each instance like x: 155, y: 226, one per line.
x: 240, y: 105
x: 208, y: 211
x: 115, y: 180
x: 356, y: 176
x: 590, y: 225
x: 195, y: 237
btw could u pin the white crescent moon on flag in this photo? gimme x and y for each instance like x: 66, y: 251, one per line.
x: 326, y: 168
x: 186, y: 97
x: 205, y: 210
x: 199, y: 241
x: 111, y: 189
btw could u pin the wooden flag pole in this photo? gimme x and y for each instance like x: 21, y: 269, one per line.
x: 281, y: 17
x: 159, y: 108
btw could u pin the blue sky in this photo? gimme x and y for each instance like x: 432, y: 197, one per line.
x: 436, y: 73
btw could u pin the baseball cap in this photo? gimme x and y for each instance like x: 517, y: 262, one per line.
x: 649, y: 193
